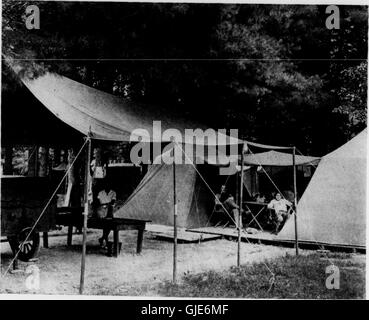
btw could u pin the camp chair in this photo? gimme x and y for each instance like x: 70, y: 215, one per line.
x: 273, y: 219
x: 254, y: 217
x: 218, y: 215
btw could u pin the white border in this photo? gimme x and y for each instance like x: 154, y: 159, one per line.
x: 105, y: 297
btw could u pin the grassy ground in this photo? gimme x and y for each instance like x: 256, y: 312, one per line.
x: 204, y: 270
x: 129, y: 274
x: 295, y: 277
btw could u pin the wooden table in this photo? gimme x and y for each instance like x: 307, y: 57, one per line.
x: 72, y: 217
x: 118, y: 224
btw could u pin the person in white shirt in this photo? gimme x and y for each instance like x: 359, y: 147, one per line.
x: 280, y: 207
x: 106, y: 198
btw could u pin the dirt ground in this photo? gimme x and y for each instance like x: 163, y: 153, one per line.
x: 60, y: 265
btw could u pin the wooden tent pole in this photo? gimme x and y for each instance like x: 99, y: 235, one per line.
x: 174, y: 220
x: 295, y: 197
x: 240, y: 199
x: 85, y: 214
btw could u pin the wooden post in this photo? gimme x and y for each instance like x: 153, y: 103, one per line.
x: 116, y: 242
x: 139, y: 240
x: 174, y: 219
x: 295, y: 198
x: 239, y: 222
x: 15, y: 264
x: 238, y: 176
x: 45, y: 238
x: 85, y: 214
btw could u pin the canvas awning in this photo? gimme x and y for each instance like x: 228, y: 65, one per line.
x: 105, y: 116
x: 108, y: 117
x: 279, y: 159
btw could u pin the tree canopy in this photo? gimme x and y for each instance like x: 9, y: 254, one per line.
x: 275, y: 72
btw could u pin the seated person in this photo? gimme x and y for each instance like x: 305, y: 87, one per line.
x: 220, y: 198
x: 279, y: 206
x: 232, y: 208
x: 260, y: 198
x: 289, y: 195
x: 106, y: 198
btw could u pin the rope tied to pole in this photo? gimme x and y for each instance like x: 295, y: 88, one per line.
x: 225, y: 210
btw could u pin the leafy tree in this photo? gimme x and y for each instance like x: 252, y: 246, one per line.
x: 265, y: 69
x: 352, y: 98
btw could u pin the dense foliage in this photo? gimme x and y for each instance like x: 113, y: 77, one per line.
x: 273, y: 71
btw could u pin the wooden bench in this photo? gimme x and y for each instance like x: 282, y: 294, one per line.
x: 72, y: 217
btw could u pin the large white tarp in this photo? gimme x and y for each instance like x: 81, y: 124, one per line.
x: 108, y: 117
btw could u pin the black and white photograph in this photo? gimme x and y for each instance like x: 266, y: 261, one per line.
x: 188, y: 150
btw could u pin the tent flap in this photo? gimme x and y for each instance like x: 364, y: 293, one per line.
x: 153, y: 198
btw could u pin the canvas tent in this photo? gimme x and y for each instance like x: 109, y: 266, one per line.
x: 153, y: 197
x: 333, y: 208
x: 103, y: 116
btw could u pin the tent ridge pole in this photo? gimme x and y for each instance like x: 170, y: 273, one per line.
x: 85, y: 214
x: 240, y: 199
x: 295, y: 198
x: 174, y: 217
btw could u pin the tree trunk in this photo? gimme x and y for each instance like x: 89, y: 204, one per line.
x: 32, y: 161
x: 8, y: 161
x: 57, y: 157
x: 43, y: 162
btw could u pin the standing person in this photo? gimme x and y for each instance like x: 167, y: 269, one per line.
x: 232, y: 207
x: 106, y: 198
x: 280, y: 207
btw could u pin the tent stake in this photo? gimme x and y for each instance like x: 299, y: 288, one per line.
x: 239, y: 222
x: 174, y: 221
x: 295, y: 198
x: 85, y: 216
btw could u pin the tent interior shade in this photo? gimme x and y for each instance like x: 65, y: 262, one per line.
x: 332, y: 210
x: 275, y: 158
x: 108, y: 117
x: 153, y: 198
